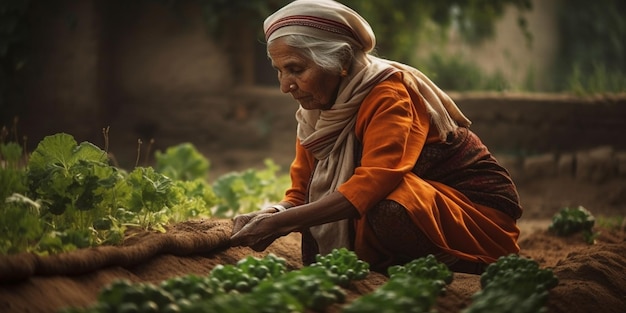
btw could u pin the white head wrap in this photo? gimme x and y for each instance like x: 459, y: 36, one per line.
x: 321, y: 19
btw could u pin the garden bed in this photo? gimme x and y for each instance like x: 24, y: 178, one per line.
x: 590, y: 276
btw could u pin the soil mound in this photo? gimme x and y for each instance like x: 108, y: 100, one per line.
x: 182, y: 239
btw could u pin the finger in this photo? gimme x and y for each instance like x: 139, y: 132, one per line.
x: 262, y: 245
x: 243, y: 237
x: 250, y: 234
x: 234, y: 242
x: 237, y: 240
x: 239, y: 222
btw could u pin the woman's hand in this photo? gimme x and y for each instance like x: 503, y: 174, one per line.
x: 259, y: 229
x: 242, y: 220
x: 254, y: 230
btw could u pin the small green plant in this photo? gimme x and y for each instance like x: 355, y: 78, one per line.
x: 513, y: 284
x: 78, y: 192
x: 242, y: 192
x: 182, y: 162
x: 194, y: 198
x: 20, y: 224
x: 247, y: 273
x: 252, y: 285
x: 151, y: 197
x: 345, y: 264
x: 569, y: 221
x: 413, y: 287
x: 426, y: 267
x: 312, y: 287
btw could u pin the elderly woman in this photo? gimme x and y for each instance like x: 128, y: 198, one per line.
x: 385, y: 164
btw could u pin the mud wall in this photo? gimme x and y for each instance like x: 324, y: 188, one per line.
x: 535, y: 123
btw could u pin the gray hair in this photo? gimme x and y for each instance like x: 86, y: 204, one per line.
x: 332, y: 56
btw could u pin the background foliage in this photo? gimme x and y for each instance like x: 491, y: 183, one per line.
x: 592, y: 55
x: 593, y: 46
x: 401, y: 26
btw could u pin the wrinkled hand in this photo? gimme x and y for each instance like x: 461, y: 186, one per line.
x: 241, y: 220
x: 254, y: 230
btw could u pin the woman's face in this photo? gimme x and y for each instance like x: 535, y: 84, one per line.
x: 315, y: 88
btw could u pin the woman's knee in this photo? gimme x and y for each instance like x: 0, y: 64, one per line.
x: 387, y: 212
x: 394, y: 229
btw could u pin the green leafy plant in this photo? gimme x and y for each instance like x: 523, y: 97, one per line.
x: 241, y: 192
x: 569, y: 221
x: 403, y: 294
x: 312, y: 287
x: 182, y: 162
x: 151, y: 197
x: 344, y: 264
x: 247, y: 273
x: 413, y: 287
x: 515, y: 270
x: 74, y: 184
x: 72, y: 198
x: 191, y: 288
x: 426, y: 267
x: 194, y: 199
x: 251, y: 285
x: 68, y: 196
x: 19, y: 215
x: 124, y: 296
x: 513, y: 284
x: 20, y: 224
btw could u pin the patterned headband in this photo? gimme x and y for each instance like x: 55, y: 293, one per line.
x: 312, y: 21
x: 322, y: 19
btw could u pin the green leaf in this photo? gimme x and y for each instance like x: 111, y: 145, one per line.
x: 55, y: 149
x: 62, y: 150
x: 182, y: 162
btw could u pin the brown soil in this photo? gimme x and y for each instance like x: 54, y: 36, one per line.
x: 591, y: 277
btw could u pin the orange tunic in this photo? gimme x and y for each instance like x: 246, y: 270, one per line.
x: 393, y: 127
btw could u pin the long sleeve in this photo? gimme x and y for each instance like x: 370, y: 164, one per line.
x: 300, y: 172
x: 392, y: 127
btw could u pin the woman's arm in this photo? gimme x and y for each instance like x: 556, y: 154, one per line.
x: 331, y: 208
x: 263, y: 229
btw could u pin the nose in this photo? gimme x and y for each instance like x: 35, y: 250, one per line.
x: 287, y: 85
